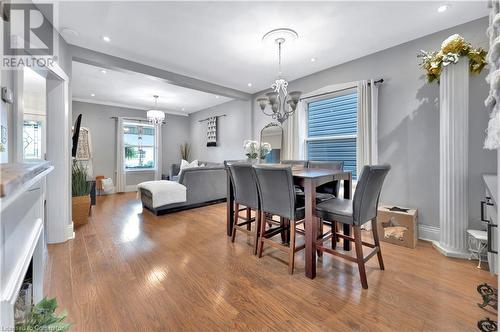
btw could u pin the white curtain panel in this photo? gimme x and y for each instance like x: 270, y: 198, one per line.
x: 367, y: 151
x: 158, y: 152
x: 120, y: 157
x: 295, y: 133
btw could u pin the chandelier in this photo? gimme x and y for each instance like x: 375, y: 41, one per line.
x: 156, y: 116
x: 281, y: 103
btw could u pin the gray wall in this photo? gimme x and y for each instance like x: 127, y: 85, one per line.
x: 103, y: 134
x: 409, y: 120
x: 232, y: 130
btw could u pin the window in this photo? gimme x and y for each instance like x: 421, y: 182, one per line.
x: 34, y: 115
x: 332, y: 128
x: 33, y: 137
x: 139, y: 142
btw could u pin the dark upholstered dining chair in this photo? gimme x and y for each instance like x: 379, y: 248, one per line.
x: 245, y: 193
x: 277, y: 197
x: 356, y: 212
x: 301, y: 163
x: 326, y: 186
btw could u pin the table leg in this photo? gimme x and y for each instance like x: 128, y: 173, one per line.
x: 229, y: 206
x: 311, y: 227
x: 347, y: 195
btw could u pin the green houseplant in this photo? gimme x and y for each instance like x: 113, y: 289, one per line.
x: 80, y: 190
x: 43, y: 318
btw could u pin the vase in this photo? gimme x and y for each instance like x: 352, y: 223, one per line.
x: 80, y: 209
x: 453, y: 159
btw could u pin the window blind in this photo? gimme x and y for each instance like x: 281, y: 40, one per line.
x: 332, y: 129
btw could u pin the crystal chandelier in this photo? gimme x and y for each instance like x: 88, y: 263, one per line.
x: 282, y: 103
x: 156, y: 116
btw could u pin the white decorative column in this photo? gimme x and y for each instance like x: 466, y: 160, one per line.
x: 453, y: 159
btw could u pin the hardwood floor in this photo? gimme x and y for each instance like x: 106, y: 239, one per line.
x: 128, y: 270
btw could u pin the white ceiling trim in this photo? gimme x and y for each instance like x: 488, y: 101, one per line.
x: 98, y: 102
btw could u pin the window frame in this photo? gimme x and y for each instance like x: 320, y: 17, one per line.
x: 324, y: 96
x: 140, y: 123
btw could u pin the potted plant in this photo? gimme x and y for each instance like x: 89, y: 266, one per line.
x: 255, y: 150
x: 80, y: 191
x: 43, y: 318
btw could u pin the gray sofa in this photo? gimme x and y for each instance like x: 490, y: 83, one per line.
x: 204, y: 186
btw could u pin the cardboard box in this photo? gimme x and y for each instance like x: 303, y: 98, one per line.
x: 397, y: 225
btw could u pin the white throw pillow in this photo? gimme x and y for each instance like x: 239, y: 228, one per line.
x: 185, y: 164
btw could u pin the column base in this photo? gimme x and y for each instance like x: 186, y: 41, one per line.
x: 449, y: 252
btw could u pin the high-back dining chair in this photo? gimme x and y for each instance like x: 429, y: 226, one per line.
x: 245, y: 193
x: 302, y: 163
x: 325, y: 186
x: 277, y: 197
x: 356, y: 212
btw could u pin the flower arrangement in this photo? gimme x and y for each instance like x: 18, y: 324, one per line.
x: 451, y: 50
x: 256, y: 150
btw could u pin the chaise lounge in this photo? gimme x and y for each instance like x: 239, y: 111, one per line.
x: 204, y: 186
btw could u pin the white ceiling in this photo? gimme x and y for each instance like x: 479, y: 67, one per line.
x: 135, y: 90
x: 220, y: 42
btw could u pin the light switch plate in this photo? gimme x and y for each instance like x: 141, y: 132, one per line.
x: 7, y: 95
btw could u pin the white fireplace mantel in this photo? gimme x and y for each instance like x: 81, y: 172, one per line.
x: 21, y: 233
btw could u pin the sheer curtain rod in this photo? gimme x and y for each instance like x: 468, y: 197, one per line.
x: 131, y: 119
x: 217, y: 116
x: 379, y: 81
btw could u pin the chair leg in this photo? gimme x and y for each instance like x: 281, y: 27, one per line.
x: 261, y: 237
x: 249, y: 215
x: 291, y: 249
x: 285, y: 232
x: 268, y: 216
x: 359, y: 256
x: 258, y: 221
x: 334, y: 235
x: 320, y: 235
x: 377, y: 243
x: 236, y: 208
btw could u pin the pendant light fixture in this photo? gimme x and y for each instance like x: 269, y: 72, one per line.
x: 155, y: 116
x: 282, y: 103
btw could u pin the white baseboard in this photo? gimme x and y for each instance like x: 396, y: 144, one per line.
x: 428, y: 233
x: 431, y: 233
x: 69, y: 232
x: 450, y: 253
x: 130, y: 188
x: 112, y: 191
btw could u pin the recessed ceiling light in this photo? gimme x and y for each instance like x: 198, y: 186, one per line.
x: 183, y: 108
x: 249, y: 85
x: 217, y: 97
x: 313, y: 59
x: 92, y: 94
x: 442, y: 8
x: 103, y: 71
x: 106, y: 39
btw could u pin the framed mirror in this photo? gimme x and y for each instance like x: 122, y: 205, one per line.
x: 272, y: 133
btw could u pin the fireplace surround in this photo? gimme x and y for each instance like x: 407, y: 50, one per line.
x: 22, y: 241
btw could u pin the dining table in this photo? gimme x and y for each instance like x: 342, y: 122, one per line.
x: 307, y: 178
